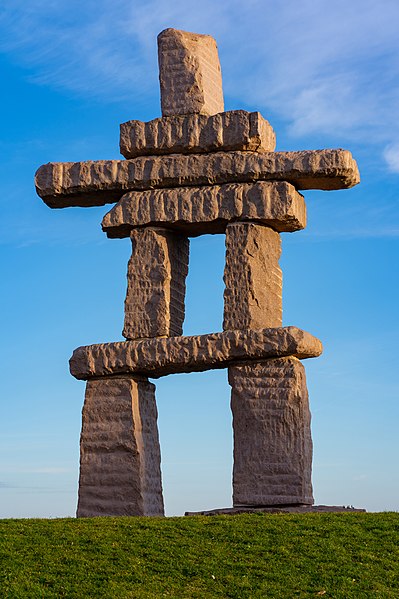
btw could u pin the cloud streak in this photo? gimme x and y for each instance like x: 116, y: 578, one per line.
x: 324, y: 68
x: 391, y: 155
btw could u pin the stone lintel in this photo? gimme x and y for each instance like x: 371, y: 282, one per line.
x: 189, y: 73
x: 197, y: 133
x: 120, y: 459
x: 95, y: 183
x: 171, y: 355
x: 156, y: 284
x: 209, y: 209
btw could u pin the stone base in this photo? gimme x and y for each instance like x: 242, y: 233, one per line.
x: 275, y: 509
x: 120, y: 458
x: 272, y: 438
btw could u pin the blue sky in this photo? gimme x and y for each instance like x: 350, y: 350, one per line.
x: 325, y: 75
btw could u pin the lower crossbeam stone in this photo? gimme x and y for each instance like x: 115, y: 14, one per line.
x: 159, y: 357
x: 272, y: 438
x: 120, y: 473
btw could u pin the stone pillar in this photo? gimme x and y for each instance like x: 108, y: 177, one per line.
x: 157, y: 270
x: 253, y: 278
x: 272, y: 438
x: 271, y: 418
x: 120, y: 457
x: 120, y: 473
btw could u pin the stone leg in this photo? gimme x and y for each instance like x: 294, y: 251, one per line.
x: 272, y: 438
x: 120, y: 473
x: 252, y: 276
x: 154, y: 305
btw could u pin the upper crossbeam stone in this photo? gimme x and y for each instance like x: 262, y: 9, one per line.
x: 95, y: 183
x: 208, y: 209
x: 189, y: 73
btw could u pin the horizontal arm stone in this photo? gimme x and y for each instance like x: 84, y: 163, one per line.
x: 95, y: 183
x: 208, y: 209
x: 170, y: 355
x: 197, y: 133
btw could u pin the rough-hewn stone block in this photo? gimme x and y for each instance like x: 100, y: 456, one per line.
x: 189, y: 73
x: 208, y: 209
x: 159, y: 357
x: 156, y: 284
x: 120, y: 472
x: 253, y: 295
x: 272, y: 438
x: 196, y: 133
x: 95, y: 183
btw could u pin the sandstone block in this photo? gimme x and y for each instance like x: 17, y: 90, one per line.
x: 272, y: 438
x: 120, y: 472
x: 196, y: 133
x: 253, y: 296
x: 189, y: 73
x: 208, y: 209
x: 156, y: 288
x: 95, y: 183
x: 162, y: 356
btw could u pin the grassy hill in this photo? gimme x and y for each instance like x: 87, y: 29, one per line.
x: 283, y: 556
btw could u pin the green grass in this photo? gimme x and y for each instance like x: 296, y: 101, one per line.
x: 257, y: 555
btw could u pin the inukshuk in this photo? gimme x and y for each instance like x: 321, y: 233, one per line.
x: 197, y: 170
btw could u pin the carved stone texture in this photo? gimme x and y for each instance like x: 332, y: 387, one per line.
x: 272, y: 437
x: 253, y: 295
x: 120, y: 472
x: 156, y: 276
x: 159, y: 357
x: 196, y: 133
x: 99, y: 182
x: 189, y: 73
x: 208, y: 209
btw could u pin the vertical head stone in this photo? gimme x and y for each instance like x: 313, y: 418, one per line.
x: 189, y: 73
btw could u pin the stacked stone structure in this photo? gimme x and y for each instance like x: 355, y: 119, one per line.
x: 197, y: 170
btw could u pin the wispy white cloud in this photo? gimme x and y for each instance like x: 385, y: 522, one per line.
x: 326, y: 68
x: 391, y: 155
x: 79, y: 46
x: 323, y: 67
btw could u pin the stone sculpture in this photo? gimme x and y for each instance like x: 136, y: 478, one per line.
x: 193, y: 171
